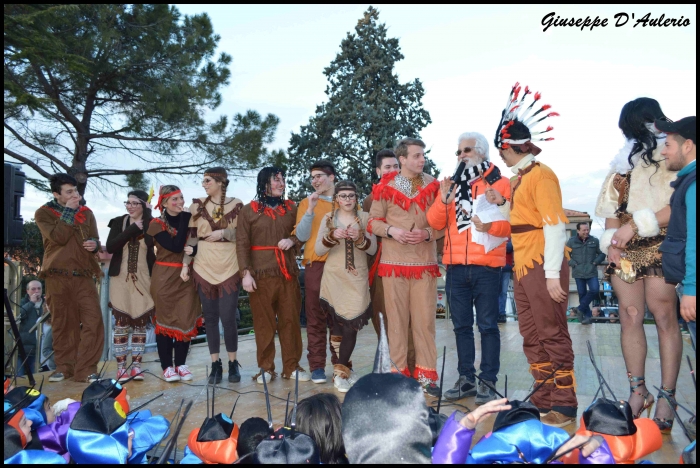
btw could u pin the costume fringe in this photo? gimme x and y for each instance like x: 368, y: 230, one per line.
x: 430, y: 374
x: 279, y: 209
x: 406, y: 271
x: 140, y: 321
x: 178, y: 334
x: 383, y: 190
x: 293, y: 270
x: 164, y: 227
x: 356, y: 323
x: 216, y: 291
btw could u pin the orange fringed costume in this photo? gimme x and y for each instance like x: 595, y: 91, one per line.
x: 408, y: 271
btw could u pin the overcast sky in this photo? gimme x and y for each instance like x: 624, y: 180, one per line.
x: 467, y: 58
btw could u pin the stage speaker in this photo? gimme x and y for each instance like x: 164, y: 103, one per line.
x: 14, y: 191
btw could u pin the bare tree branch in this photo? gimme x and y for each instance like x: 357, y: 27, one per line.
x: 36, y: 148
x: 28, y: 162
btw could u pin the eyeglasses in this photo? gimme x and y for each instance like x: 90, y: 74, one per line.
x: 131, y: 203
x: 347, y: 196
x: 316, y: 177
x: 466, y: 150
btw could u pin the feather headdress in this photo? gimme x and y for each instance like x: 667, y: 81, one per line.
x: 519, y: 123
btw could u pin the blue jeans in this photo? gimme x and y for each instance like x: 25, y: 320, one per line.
x: 588, y: 289
x: 467, y: 287
x: 503, y: 296
x: 31, y: 360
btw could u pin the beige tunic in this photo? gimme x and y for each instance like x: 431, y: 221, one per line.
x: 216, y: 263
x: 345, y: 293
x: 130, y: 293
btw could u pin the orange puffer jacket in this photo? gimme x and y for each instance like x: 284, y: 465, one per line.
x: 459, y: 248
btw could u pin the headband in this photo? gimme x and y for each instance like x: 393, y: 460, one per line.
x: 163, y: 197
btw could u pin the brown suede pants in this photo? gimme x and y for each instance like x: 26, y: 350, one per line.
x: 376, y: 291
x: 78, y: 330
x: 275, y: 305
x: 410, y: 309
x: 318, y: 322
x: 546, y: 340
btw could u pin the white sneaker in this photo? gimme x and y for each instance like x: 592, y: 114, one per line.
x: 341, y: 384
x: 171, y: 375
x: 353, y: 377
x: 268, y: 377
x: 184, y: 372
x: 303, y: 375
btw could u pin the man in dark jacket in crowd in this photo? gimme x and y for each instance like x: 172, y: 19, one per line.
x: 585, y: 258
x: 29, y: 313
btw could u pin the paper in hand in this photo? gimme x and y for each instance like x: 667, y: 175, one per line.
x: 487, y: 213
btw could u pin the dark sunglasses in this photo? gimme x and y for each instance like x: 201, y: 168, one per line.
x: 466, y: 150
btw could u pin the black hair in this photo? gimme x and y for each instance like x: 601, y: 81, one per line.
x: 578, y: 225
x: 264, y: 176
x: 518, y: 149
x: 251, y: 433
x: 633, y: 119
x: 57, y: 181
x: 381, y: 156
x: 325, y: 166
x: 320, y: 417
x: 140, y: 194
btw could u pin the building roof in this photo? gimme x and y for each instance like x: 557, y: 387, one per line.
x: 576, y: 214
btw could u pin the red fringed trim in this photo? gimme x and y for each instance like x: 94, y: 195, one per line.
x: 375, y: 265
x: 177, y: 334
x: 280, y: 210
x: 384, y: 191
x: 406, y: 271
x: 162, y: 224
x: 405, y: 371
x: 430, y: 374
x: 369, y: 223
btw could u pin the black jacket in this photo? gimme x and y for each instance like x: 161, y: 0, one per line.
x: 585, y: 256
x: 118, y: 239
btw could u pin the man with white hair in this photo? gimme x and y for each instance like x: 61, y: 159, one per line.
x: 473, y: 274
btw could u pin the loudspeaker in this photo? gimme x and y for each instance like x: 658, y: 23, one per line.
x: 14, y: 191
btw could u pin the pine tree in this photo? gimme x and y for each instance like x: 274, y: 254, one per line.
x: 103, y: 90
x: 368, y: 109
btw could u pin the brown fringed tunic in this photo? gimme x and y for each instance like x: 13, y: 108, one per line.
x: 178, y: 310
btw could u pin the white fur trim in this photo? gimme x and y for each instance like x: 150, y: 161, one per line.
x: 605, y: 240
x: 620, y: 164
x: 647, y: 224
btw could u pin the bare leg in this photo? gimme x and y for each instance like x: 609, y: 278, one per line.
x: 632, y: 337
x: 661, y: 299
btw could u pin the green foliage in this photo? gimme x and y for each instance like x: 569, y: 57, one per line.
x: 121, y: 89
x: 138, y: 181
x: 368, y: 109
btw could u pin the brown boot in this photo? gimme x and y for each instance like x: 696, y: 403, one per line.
x: 557, y: 419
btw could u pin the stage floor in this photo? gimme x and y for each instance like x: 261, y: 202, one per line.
x: 604, y: 339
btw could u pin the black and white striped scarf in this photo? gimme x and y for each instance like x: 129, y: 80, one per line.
x: 463, y: 194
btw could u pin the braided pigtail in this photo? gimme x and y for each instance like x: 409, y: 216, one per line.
x: 222, y: 222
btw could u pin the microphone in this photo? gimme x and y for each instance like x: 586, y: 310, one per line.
x: 457, y: 174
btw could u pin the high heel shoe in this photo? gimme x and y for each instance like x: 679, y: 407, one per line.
x: 648, y: 398
x: 668, y: 394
